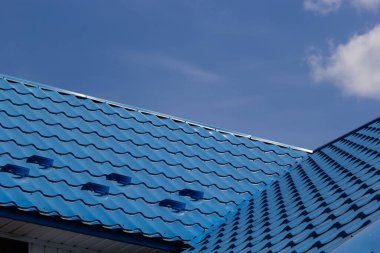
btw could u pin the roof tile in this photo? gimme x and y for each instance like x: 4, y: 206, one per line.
x: 90, y: 139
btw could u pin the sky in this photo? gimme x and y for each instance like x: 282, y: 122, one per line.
x: 301, y: 72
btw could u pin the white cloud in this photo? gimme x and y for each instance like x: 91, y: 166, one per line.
x: 322, y: 6
x: 366, y: 4
x: 353, y: 67
x: 327, y: 6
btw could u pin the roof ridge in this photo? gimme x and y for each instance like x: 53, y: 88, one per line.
x: 231, y: 213
x: 145, y: 111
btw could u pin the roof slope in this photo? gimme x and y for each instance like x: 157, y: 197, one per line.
x: 80, y: 158
x: 331, y: 195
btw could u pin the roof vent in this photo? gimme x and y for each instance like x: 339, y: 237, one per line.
x: 97, y: 188
x: 196, y: 195
x: 11, y: 81
x: 40, y: 160
x: 173, y: 204
x: 14, y: 169
x: 121, y: 179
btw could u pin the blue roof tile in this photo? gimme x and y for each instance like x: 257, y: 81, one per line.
x: 74, y: 142
x: 314, y: 207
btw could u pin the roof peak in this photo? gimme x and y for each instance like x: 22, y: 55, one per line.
x: 145, y: 111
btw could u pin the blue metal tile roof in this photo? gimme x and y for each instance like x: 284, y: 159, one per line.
x: 123, y: 168
x: 323, y: 201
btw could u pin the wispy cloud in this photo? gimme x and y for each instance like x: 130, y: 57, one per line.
x: 322, y: 6
x: 327, y: 6
x: 353, y: 66
x: 172, y: 64
x: 187, y: 69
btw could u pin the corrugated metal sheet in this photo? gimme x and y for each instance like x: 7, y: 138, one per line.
x: 89, y: 139
x: 327, y: 198
x: 50, y: 240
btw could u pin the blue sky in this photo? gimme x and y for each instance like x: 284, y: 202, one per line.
x: 298, y: 72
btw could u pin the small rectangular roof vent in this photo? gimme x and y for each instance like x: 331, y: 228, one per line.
x: 97, y: 188
x: 43, y: 161
x: 121, y: 179
x: 16, y: 170
x: 11, y: 81
x: 196, y: 195
x: 173, y: 204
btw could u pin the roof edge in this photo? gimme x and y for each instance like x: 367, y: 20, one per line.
x: 348, y: 133
x: 91, y: 230
x: 145, y: 111
x: 337, y: 248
